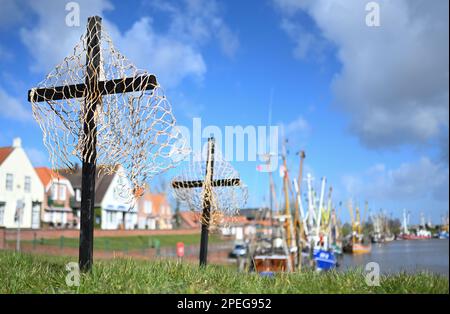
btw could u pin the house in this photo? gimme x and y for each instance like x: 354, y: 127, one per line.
x: 154, y: 211
x: 56, y: 205
x: 21, y: 190
x: 113, y: 211
x: 190, y: 219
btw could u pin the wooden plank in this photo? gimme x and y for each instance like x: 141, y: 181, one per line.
x: 87, y: 217
x: 57, y: 93
x: 116, y: 86
x: 199, y: 184
x: 206, y: 213
x: 128, y: 85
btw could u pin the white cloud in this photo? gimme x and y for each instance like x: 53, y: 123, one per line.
x: 419, y: 180
x: 394, y: 78
x: 12, y: 108
x: 171, y: 59
x: 199, y: 21
x: 50, y: 39
x: 297, y: 127
x: 307, y: 44
x: 173, y: 54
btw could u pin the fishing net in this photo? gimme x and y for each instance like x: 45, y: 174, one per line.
x: 131, y: 123
x: 210, y: 181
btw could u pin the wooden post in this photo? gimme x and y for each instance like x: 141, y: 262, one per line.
x: 300, y: 218
x: 2, y: 238
x: 93, y: 98
x: 206, y: 215
x: 207, y: 184
x: 91, y: 91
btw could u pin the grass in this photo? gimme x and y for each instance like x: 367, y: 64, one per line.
x: 131, y: 242
x: 23, y: 273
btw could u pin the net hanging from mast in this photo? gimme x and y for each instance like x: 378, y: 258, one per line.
x: 134, y: 125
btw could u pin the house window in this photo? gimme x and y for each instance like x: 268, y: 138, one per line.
x: 2, y: 213
x: 78, y: 195
x: 18, y: 216
x: 148, y: 207
x: 62, y: 192
x: 27, y: 185
x: 9, y: 182
x: 110, y: 217
x: 54, y: 192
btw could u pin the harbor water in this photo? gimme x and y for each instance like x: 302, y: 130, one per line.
x: 409, y: 256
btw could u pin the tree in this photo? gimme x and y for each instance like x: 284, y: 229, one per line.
x: 346, y: 229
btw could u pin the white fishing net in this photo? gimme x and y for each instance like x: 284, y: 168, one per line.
x: 208, y: 180
x: 129, y: 119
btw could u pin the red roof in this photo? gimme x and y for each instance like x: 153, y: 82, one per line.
x: 192, y: 219
x: 235, y: 220
x: 158, y: 200
x: 46, y: 175
x: 4, y: 153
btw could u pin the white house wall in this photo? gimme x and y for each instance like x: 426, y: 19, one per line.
x: 114, y: 203
x: 18, y: 164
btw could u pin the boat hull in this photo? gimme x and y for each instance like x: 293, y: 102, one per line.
x: 325, y: 260
x: 358, y: 248
x: 415, y: 237
x: 271, y: 263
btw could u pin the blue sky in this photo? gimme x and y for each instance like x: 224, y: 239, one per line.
x: 369, y: 105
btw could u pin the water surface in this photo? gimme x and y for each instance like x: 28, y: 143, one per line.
x: 410, y: 256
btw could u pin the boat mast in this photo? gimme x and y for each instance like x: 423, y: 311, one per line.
x: 405, y: 222
x: 319, y: 216
x: 299, y: 214
x: 310, y: 202
x: 287, y: 210
x: 352, y: 217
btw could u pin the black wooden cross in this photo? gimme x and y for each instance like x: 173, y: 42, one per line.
x: 92, y: 91
x: 206, y: 214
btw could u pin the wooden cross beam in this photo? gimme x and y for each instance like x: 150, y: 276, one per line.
x: 117, y: 86
x: 206, y: 214
x: 92, y: 91
x: 199, y: 184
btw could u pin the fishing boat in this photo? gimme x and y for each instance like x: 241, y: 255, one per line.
x: 377, y: 238
x: 381, y: 231
x: 275, y: 256
x: 377, y: 235
x: 359, y: 248
x: 421, y: 234
x: 323, y: 228
x: 389, y: 238
x: 271, y: 255
x: 271, y: 263
x: 311, y: 236
x: 443, y: 234
x: 325, y: 260
x: 355, y: 243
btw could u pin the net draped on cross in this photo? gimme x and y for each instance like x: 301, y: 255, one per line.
x: 224, y: 201
x: 136, y: 129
